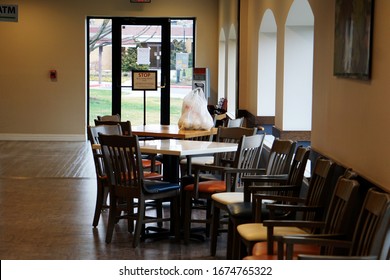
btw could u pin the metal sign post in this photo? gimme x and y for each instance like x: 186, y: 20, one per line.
x: 144, y: 80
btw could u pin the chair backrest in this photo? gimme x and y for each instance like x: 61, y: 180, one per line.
x: 342, y: 212
x: 246, y: 157
x: 371, y: 236
x: 298, y: 166
x: 123, y: 161
x: 125, y: 125
x: 230, y: 135
x: 235, y: 122
x: 93, y: 137
x: 93, y: 131
x: 319, y: 187
x: 115, y: 118
x: 280, y: 157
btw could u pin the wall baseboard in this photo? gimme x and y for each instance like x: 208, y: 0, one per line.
x: 42, y: 137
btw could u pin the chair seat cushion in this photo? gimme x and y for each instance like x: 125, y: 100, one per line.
x: 147, y: 163
x: 259, y: 251
x: 228, y: 197
x: 243, y: 210
x: 155, y: 186
x: 208, y: 187
x: 258, y: 232
x: 152, y: 175
x: 240, y: 210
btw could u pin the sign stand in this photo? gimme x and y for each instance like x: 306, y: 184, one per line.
x: 144, y: 80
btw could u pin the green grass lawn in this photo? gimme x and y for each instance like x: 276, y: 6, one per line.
x: 132, y: 107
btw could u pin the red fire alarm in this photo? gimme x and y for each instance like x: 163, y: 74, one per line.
x: 53, y: 74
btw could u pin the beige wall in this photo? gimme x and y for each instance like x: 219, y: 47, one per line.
x: 350, y: 117
x: 51, y: 35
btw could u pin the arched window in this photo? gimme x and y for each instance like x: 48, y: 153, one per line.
x: 266, y: 87
x: 222, y: 65
x: 232, y: 72
x: 298, y: 67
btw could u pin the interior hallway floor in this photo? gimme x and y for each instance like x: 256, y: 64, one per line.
x: 47, y: 200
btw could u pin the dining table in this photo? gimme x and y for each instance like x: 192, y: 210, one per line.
x: 173, y: 149
x: 159, y: 131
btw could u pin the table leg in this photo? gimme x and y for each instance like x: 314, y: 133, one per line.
x: 171, y: 168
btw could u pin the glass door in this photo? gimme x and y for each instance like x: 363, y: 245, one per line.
x: 141, y: 44
x: 119, y: 46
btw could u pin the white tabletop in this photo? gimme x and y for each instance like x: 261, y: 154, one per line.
x: 178, y: 147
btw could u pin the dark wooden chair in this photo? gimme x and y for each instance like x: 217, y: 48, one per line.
x: 371, y: 238
x: 101, y: 175
x: 279, y: 160
x: 116, y: 118
x: 122, y: 158
x: 125, y: 125
x: 247, y: 155
x: 340, y: 220
x: 313, y: 207
x: 149, y: 161
x: 242, y: 212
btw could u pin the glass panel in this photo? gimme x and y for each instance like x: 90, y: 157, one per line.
x: 100, y: 68
x: 141, y: 46
x: 181, y: 64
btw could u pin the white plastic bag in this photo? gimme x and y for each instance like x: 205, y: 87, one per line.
x: 194, y: 113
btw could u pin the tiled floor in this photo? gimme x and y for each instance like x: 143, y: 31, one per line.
x: 47, y: 199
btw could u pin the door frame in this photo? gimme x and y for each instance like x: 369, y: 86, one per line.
x: 165, y: 62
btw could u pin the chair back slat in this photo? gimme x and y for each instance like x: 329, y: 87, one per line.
x: 319, y: 187
x: 125, y: 125
x: 123, y: 161
x: 246, y: 157
x: 280, y: 157
x: 230, y: 135
x: 372, y: 231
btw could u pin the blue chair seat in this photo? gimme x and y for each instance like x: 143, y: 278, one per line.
x: 154, y: 186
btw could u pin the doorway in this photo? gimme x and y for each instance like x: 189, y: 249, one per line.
x: 118, y: 46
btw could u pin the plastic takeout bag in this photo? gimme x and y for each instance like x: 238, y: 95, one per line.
x: 194, y: 113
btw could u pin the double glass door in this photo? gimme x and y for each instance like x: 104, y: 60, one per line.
x: 142, y: 44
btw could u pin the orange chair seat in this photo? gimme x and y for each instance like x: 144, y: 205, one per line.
x: 147, y: 163
x: 152, y: 175
x: 259, y: 251
x: 208, y: 186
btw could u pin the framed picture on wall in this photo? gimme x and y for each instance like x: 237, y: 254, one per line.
x: 353, y: 37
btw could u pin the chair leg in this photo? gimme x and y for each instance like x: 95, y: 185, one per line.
x: 175, y: 218
x: 99, y: 204
x: 159, y: 212
x: 209, y: 217
x: 237, y: 251
x: 187, y: 216
x: 230, y: 240
x: 214, y: 229
x: 139, y: 222
x: 112, y: 219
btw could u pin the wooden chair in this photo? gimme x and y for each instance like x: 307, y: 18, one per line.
x: 371, y: 238
x: 238, y: 122
x: 149, y: 161
x: 279, y: 161
x: 313, y: 207
x: 186, y: 162
x: 242, y: 212
x: 115, y: 118
x: 122, y: 158
x: 247, y: 155
x: 125, y: 125
x: 340, y: 220
x: 101, y: 175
